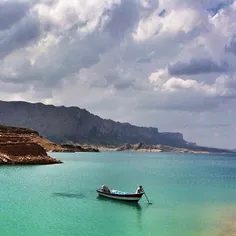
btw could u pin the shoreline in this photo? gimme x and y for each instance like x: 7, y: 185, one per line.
x: 159, y: 148
x: 152, y: 151
x: 227, y: 222
x: 28, y: 160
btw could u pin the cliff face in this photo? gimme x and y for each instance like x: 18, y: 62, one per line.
x: 21, y: 146
x: 62, y: 124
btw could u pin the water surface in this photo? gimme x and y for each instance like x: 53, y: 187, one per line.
x: 191, y: 195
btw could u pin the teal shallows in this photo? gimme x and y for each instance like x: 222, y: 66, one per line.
x: 191, y: 195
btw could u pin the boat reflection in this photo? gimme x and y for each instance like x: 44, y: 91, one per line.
x: 135, y: 206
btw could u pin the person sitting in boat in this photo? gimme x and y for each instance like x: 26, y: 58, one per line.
x: 105, y: 189
x: 139, y: 189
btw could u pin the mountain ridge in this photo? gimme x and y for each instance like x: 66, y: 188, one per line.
x: 62, y: 124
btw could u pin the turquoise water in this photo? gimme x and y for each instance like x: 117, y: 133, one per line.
x: 190, y: 195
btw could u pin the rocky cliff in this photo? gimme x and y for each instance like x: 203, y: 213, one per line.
x: 20, y: 146
x: 64, y: 124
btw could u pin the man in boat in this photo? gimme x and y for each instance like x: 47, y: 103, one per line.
x: 139, y: 190
x: 105, y: 189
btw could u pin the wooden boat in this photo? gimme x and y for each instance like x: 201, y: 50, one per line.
x: 119, y: 195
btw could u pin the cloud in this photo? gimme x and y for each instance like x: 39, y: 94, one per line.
x: 197, y: 66
x: 18, y: 26
x: 226, y: 86
x: 218, y: 6
x: 57, y: 55
x: 163, y: 82
x: 231, y: 47
x: 11, y: 12
x: 141, y: 61
x: 215, y: 125
x: 173, y: 93
x: 123, y: 18
x: 223, y: 85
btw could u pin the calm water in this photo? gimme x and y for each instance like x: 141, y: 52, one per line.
x: 190, y: 194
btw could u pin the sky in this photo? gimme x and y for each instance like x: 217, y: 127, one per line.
x: 168, y: 64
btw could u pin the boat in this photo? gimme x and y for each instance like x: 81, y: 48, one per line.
x: 120, y: 195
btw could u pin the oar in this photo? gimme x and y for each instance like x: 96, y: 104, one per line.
x: 146, y: 197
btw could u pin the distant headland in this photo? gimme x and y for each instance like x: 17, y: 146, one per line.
x: 71, y: 129
x: 141, y: 147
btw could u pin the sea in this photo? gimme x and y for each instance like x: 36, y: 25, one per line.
x: 188, y: 194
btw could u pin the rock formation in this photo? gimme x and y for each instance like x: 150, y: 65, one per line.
x: 76, y: 148
x: 20, y: 146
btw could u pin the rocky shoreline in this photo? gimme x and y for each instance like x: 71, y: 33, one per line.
x: 23, y: 146
x: 18, y: 146
x: 75, y: 148
x: 141, y: 147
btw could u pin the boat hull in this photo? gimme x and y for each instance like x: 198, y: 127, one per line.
x: 121, y: 197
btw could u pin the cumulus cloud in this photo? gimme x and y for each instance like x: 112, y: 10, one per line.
x: 74, y: 36
x: 128, y: 60
x: 224, y: 86
x: 163, y: 82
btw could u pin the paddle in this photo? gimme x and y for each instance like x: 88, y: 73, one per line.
x: 146, y: 197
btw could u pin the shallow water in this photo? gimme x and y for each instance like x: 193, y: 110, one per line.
x: 191, y: 195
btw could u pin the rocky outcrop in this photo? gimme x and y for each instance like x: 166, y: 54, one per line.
x: 77, y: 148
x: 149, y: 148
x: 141, y: 147
x: 65, y: 124
x: 19, y: 146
